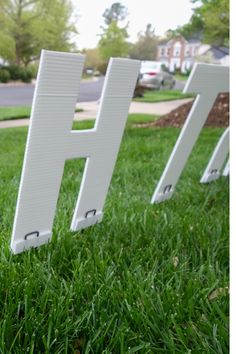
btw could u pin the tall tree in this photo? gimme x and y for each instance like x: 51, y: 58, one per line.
x: 117, y: 12
x: 193, y: 29
x: 210, y: 22
x: 146, y: 46
x: 113, y: 40
x: 30, y: 25
x: 215, y: 14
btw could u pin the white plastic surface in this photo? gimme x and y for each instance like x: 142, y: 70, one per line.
x: 216, y: 162
x: 51, y: 142
x: 115, y: 101
x: 226, y: 169
x: 206, y: 80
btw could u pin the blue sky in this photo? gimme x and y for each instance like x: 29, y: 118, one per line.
x: 162, y: 14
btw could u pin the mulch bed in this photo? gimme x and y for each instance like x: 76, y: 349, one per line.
x: 218, y: 116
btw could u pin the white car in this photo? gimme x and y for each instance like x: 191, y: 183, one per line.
x: 153, y: 77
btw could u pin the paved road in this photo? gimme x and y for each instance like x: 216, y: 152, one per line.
x: 23, y: 95
x: 179, y: 85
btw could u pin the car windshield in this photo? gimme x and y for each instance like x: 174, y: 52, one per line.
x: 150, y: 66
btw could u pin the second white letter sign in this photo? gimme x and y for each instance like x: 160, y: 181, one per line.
x: 207, y: 81
x: 51, y: 142
x: 213, y: 169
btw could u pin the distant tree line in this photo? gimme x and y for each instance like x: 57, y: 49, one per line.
x: 209, y: 23
x: 27, y: 26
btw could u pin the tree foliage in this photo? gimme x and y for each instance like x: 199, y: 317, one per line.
x: 146, y: 46
x: 27, y: 26
x: 215, y: 14
x: 113, y: 42
x: 209, y: 22
x: 193, y: 29
x: 117, y: 12
x: 93, y: 58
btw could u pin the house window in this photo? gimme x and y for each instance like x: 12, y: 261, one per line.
x: 162, y: 52
x: 177, y: 52
x: 187, y: 51
x: 177, y: 47
x: 168, y: 51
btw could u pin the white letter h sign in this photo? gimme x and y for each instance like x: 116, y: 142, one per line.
x: 51, y: 142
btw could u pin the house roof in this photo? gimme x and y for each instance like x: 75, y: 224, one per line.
x: 193, y: 41
x: 163, y: 42
x: 219, y: 52
x: 224, y: 49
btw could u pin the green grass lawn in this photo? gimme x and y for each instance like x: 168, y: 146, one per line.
x: 162, y: 95
x: 14, y: 112
x: 145, y: 280
x: 140, y: 118
x: 181, y: 77
x: 7, y: 113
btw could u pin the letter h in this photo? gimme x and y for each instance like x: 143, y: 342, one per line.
x: 51, y: 142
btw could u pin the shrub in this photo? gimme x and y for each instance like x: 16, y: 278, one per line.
x: 188, y: 71
x: 14, y: 71
x: 102, y: 68
x: 164, y: 68
x: 19, y: 73
x: 34, y: 69
x: 26, y: 75
x: 4, y: 75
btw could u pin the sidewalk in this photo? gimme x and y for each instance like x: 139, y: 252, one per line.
x: 90, y: 110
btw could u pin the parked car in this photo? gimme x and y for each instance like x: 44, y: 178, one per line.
x: 89, y: 71
x: 153, y: 77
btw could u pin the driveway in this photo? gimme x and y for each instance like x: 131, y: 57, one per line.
x: 91, y: 109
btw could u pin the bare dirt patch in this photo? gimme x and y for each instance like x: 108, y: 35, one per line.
x: 218, y: 116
